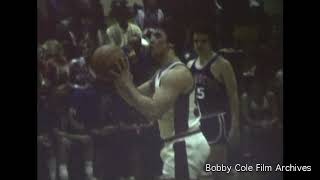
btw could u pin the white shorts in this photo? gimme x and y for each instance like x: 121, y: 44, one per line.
x: 198, y: 151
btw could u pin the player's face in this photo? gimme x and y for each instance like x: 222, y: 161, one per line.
x: 158, y: 44
x: 201, y: 43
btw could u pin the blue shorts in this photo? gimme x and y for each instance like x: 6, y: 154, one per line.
x: 216, y: 127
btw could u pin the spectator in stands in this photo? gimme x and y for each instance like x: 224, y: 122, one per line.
x: 91, y: 20
x: 53, y: 102
x: 151, y: 16
x: 99, y: 21
x: 66, y: 34
x: 60, y: 9
x: 79, y: 73
x: 119, y: 32
x: 88, y: 37
x: 45, y: 23
x: 260, y: 116
x: 244, y: 48
x: 64, y: 107
x: 45, y: 125
x: 81, y: 118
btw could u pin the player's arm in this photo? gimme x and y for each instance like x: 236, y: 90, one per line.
x: 164, y: 97
x: 230, y: 82
x: 145, y: 88
x: 173, y: 84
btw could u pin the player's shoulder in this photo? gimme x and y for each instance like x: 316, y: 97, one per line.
x: 180, y: 69
x: 179, y: 77
x: 178, y: 74
x: 221, y: 63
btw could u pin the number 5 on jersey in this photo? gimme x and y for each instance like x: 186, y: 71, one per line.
x: 200, y: 93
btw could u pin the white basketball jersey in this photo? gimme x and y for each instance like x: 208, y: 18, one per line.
x: 166, y: 122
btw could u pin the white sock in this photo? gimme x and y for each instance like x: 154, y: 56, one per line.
x: 52, y: 163
x: 88, y: 169
x: 63, y: 172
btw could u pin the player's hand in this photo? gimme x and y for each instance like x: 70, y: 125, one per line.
x: 122, y: 75
x: 123, y: 80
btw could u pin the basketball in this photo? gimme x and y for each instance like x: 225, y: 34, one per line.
x: 104, y: 60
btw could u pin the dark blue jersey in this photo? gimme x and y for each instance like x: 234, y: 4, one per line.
x: 211, y: 94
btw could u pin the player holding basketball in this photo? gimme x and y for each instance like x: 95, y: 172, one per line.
x: 216, y: 95
x: 169, y: 99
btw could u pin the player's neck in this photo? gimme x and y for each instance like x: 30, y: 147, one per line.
x: 205, y: 57
x: 167, y: 59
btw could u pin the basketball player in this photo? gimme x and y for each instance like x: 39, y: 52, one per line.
x: 216, y: 95
x: 167, y: 98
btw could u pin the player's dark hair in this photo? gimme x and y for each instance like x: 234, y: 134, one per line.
x: 205, y: 28
x: 168, y: 27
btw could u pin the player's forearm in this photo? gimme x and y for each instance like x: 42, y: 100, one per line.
x: 143, y: 104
